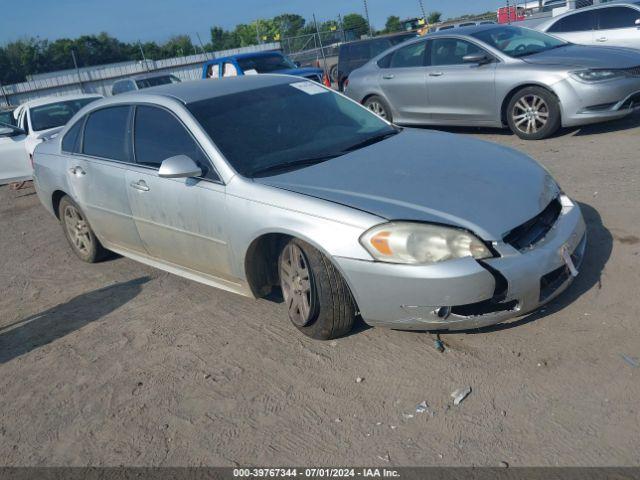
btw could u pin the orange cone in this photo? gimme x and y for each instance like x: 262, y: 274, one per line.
x: 326, y: 81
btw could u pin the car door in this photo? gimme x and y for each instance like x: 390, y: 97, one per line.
x: 14, y: 161
x: 577, y: 27
x: 460, y: 92
x: 97, y: 161
x: 402, y: 79
x: 616, y: 26
x: 181, y: 220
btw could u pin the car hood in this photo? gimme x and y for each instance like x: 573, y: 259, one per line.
x: 430, y: 176
x: 301, y: 72
x: 587, y: 57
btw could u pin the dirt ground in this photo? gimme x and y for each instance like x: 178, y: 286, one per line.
x: 121, y: 364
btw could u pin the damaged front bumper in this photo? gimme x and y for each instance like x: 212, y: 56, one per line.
x: 465, y: 294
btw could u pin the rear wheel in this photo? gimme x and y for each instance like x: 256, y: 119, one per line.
x: 317, y: 298
x: 378, y: 106
x: 533, y: 113
x: 79, y: 233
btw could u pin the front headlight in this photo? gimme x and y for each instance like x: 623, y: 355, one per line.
x: 591, y: 76
x: 421, y: 244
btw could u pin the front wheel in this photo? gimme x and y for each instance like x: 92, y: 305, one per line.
x: 533, y: 113
x: 378, y: 106
x: 318, y: 300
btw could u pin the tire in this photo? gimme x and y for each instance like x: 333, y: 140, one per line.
x: 333, y: 74
x: 534, y: 113
x: 379, y: 106
x: 306, y: 275
x: 78, y: 232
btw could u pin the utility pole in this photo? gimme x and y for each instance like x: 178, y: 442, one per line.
x: 424, y: 14
x: 324, y: 58
x: 75, y: 63
x: 144, y: 59
x: 344, y: 34
x: 202, y: 44
x: 366, y: 13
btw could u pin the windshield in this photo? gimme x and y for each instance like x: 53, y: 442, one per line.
x: 294, y: 125
x: 156, y: 81
x: 518, y: 42
x: 6, y: 118
x: 266, y: 63
x: 55, y: 115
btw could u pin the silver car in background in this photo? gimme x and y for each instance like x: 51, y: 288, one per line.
x: 499, y: 76
x: 611, y: 24
x: 270, y: 183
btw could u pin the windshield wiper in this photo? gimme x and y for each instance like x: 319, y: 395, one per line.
x: 302, y: 162
x: 371, y: 140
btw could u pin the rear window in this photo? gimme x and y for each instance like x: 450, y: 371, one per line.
x: 107, y: 134
x: 58, y: 114
x: 157, y: 81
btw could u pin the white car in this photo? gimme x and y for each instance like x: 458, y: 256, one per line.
x: 35, y: 121
x: 612, y: 24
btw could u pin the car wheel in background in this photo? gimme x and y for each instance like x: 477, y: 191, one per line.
x: 378, y: 106
x: 533, y: 113
x: 318, y: 300
x: 78, y: 232
x: 333, y: 74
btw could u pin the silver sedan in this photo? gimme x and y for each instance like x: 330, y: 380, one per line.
x: 271, y: 185
x: 498, y: 76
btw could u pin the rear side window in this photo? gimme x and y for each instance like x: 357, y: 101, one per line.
x: 578, y: 22
x: 159, y: 135
x: 617, y: 17
x: 107, y: 134
x: 71, y: 141
x: 410, y: 56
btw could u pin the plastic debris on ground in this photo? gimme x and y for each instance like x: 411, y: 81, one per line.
x: 633, y: 361
x: 460, y: 394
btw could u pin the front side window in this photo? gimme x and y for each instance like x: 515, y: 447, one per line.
x: 107, y: 134
x: 57, y: 114
x: 451, y: 51
x: 617, y: 17
x: 159, y: 135
x: 518, y: 42
x: 286, y: 126
x: 410, y: 56
x: 577, y: 22
x: 213, y: 70
x: 71, y: 141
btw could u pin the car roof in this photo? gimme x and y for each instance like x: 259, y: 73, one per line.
x: 470, y: 30
x: 194, y: 91
x: 145, y: 76
x: 241, y: 56
x: 55, y: 99
x: 391, y: 35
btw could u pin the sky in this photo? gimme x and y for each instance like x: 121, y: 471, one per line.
x: 131, y: 20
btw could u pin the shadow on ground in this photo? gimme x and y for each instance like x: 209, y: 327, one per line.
x: 630, y: 122
x: 26, y: 335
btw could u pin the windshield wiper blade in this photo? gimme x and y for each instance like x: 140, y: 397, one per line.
x: 370, y: 141
x: 303, y: 162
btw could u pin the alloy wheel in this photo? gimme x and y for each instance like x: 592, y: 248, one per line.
x: 78, y: 230
x: 378, y: 109
x: 297, y: 287
x: 530, y: 114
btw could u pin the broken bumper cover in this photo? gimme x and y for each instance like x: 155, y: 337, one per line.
x: 465, y: 294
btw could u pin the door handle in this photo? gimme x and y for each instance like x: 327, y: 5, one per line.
x: 77, y: 171
x: 436, y: 74
x: 388, y: 76
x: 601, y: 39
x: 140, y: 185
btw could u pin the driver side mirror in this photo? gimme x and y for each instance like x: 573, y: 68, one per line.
x: 179, y: 166
x: 479, y: 58
x: 11, y: 131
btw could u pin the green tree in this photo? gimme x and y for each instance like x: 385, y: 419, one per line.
x: 434, y: 17
x: 393, y: 24
x: 356, y: 24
